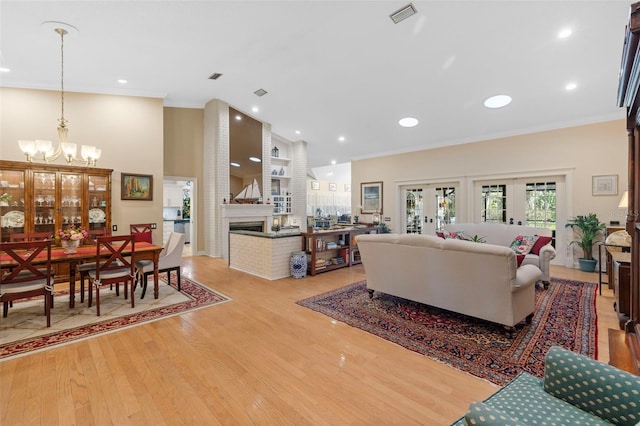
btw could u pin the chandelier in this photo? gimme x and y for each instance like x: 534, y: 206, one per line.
x: 44, y: 150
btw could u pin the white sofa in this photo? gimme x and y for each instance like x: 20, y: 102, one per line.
x: 503, y: 235
x: 479, y: 280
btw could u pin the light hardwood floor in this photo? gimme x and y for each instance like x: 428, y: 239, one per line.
x: 260, y: 359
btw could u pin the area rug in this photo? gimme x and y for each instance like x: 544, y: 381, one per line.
x: 24, y: 330
x: 565, y: 315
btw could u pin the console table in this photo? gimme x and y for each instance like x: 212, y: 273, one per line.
x: 621, y: 263
x: 334, y: 248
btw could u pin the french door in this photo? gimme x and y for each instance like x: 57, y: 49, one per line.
x: 427, y: 208
x: 524, y: 201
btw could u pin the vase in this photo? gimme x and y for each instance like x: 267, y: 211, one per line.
x: 70, y: 246
x: 298, y: 264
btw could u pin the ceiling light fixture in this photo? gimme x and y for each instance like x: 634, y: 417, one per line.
x: 3, y: 69
x: 89, y: 154
x: 341, y: 138
x: 408, y: 122
x: 497, y: 101
x: 255, y: 109
x: 571, y: 86
x: 122, y: 81
x: 403, y: 13
x: 564, y: 33
x: 298, y: 132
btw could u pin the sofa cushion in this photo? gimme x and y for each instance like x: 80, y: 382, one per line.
x: 593, y: 386
x: 540, y: 242
x: 523, y: 244
x: 525, y: 400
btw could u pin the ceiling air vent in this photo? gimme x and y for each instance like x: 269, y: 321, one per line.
x: 215, y: 76
x: 260, y: 92
x: 404, y: 13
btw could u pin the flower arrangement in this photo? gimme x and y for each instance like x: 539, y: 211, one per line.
x: 5, y: 197
x: 71, y: 234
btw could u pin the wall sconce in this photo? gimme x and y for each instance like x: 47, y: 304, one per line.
x: 376, y: 219
x: 275, y: 226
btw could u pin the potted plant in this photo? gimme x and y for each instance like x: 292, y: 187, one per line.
x: 4, y: 199
x: 588, y: 228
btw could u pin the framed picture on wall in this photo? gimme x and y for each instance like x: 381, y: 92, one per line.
x: 136, y: 187
x: 371, y: 197
x: 315, y: 185
x: 605, y: 185
x: 333, y: 187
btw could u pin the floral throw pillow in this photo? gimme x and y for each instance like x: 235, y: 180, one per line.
x: 523, y: 243
x: 455, y: 235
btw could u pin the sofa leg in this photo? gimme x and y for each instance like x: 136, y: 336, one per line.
x: 529, y: 318
x: 510, y: 331
x: 546, y: 284
x: 370, y: 293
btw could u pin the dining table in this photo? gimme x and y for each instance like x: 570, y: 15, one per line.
x: 87, y: 253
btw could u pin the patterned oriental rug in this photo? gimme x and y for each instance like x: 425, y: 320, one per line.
x: 565, y: 315
x: 24, y: 330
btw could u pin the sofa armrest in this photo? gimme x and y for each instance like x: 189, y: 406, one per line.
x: 545, y: 255
x: 482, y: 414
x: 592, y: 386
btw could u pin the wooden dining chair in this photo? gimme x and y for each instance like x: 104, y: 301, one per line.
x: 113, y: 266
x: 30, y: 236
x: 142, y: 232
x: 84, y: 268
x: 24, y: 279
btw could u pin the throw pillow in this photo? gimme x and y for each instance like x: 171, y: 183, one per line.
x: 440, y: 234
x: 523, y: 243
x: 541, y: 242
x: 455, y: 235
x: 520, y: 258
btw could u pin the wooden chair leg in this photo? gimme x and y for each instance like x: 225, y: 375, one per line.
x: 48, y: 299
x: 144, y: 285
x: 98, y: 299
x: 5, y: 309
x: 179, y: 284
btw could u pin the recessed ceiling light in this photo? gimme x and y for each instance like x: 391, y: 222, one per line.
x: 571, y: 86
x: 408, y: 122
x: 238, y: 117
x: 298, y: 132
x: 497, y: 101
x: 341, y: 138
x: 122, y: 81
x: 333, y: 162
x: 3, y: 69
x: 235, y: 164
x: 255, y: 109
x: 330, y: 174
x: 564, y: 33
x: 255, y: 159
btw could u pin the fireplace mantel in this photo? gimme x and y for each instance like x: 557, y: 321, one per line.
x: 243, y: 213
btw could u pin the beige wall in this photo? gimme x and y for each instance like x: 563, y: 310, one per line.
x: 127, y: 129
x: 183, y: 152
x: 586, y: 151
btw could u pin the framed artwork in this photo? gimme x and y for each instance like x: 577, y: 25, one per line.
x: 275, y: 186
x: 347, y: 187
x: 315, y: 185
x: 605, y: 185
x: 136, y: 187
x: 371, y: 197
x: 333, y: 186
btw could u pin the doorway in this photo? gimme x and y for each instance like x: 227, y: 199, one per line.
x: 181, y: 218
x: 428, y: 207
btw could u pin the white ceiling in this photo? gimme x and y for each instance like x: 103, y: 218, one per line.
x: 336, y: 68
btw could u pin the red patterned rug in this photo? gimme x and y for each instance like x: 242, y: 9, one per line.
x: 26, y: 319
x: 565, y: 315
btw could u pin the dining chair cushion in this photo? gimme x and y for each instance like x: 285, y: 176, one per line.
x: 23, y: 287
x: 86, y: 267
x: 115, y: 273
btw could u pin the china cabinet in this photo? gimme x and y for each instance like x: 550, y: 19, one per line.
x: 47, y: 198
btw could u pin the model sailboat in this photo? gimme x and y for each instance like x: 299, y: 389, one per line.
x: 250, y: 194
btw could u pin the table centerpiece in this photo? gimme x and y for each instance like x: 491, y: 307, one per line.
x: 71, y: 238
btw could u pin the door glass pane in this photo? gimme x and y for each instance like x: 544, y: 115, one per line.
x: 44, y: 202
x: 12, y: 208
x: 541, y: 205
x: 415, y: 211
x: 71, y: 201
x: 97, y: 202
x: 445, y: 206
x: 494, y: 203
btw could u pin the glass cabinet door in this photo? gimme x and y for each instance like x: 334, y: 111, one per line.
x: 70, y: 200
x: 12, y: 204
x: 98, y: 201
x: 44, y: 202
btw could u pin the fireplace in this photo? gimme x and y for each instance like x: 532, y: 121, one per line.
x: 247, y: 226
